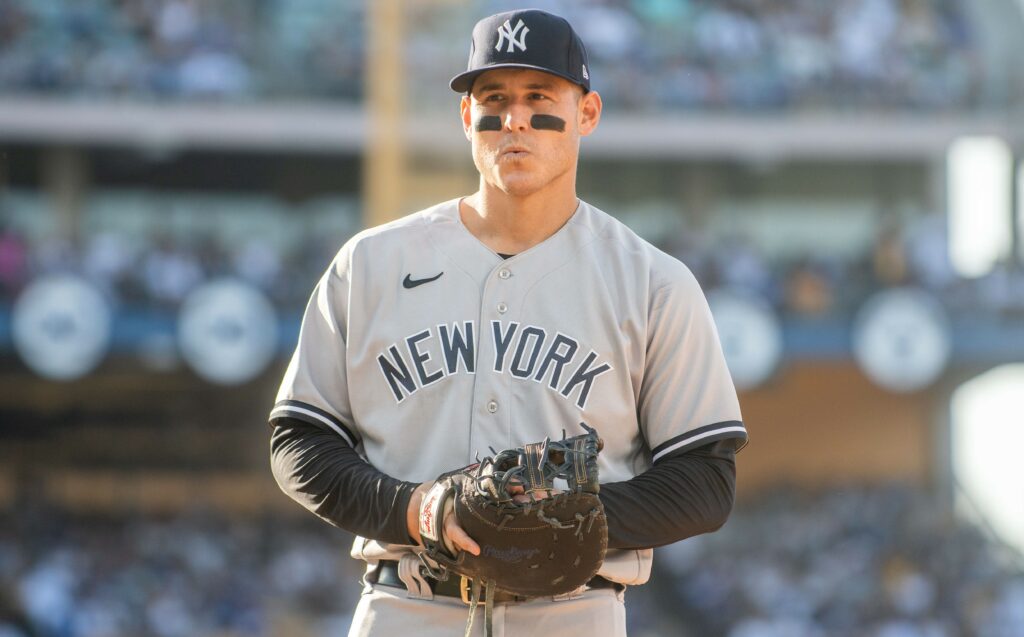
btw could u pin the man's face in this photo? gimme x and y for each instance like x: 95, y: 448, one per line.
x: 525, y: 127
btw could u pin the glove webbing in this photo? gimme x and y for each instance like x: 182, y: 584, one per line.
x: 536, y: 456
x: 580, y: 466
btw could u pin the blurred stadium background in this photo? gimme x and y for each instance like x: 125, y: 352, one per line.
x: 843, y: 178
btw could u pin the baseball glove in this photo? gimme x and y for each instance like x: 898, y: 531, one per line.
x: 530, y: 546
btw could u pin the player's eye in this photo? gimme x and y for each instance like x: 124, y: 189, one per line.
x: 538, y: 96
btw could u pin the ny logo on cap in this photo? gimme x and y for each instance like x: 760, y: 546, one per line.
x: 506, y: 31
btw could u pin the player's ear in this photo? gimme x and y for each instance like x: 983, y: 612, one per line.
x: 588, y: 112
x: 465, y: 109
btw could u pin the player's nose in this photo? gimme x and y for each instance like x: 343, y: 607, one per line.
x: 517, y: 117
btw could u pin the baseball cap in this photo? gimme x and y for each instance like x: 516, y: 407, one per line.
x: 525, y: 39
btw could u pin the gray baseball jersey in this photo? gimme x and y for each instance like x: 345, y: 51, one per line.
x: 422, y: 348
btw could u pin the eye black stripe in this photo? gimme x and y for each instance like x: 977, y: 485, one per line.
x: 548, y: 122
x: 488, y: 123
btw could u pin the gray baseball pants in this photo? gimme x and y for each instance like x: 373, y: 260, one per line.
x: 386, y: 611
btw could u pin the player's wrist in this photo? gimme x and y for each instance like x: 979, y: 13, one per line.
x: 412, y: 513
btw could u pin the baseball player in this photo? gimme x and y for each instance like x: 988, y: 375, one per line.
x: 494, y: 320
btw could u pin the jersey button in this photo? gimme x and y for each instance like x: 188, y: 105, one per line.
x: 492, y: 406
x: 502, y: 308
x: 504, y: 274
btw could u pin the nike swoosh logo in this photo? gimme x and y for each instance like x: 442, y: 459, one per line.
x: 409, y: 283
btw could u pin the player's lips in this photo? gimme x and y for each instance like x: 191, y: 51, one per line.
x: 515, y: 151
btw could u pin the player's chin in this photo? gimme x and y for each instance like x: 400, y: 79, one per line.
x: 518, y: 185
x: 520, y: 171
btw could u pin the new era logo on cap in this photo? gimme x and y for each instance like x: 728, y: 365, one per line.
x: 500, y: 41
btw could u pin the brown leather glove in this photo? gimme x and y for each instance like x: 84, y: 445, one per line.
x: 536, y: 540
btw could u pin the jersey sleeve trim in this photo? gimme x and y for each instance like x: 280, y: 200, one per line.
x: 701, y: 436
x: 314, y: 416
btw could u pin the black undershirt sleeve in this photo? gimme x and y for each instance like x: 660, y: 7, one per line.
x: 680, y: 496
x: 320, y: 471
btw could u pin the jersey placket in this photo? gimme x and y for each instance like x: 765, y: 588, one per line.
x: 492, y: 392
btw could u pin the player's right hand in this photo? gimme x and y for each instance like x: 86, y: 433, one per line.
x: 454, y: 535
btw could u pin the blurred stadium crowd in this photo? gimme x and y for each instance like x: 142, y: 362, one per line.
x: 196, y: 574
x: 864, y: 562
x: 155, y: 265
x: 647, y: 54
x: 869, y: 561
x: 158, y: 270
x: 159, y: 49
x: 817, y: 285
x: 761, y: 55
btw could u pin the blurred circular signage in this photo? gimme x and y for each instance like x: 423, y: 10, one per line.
x: 61, y: 326
x: 750, y: 335
x: 902, y: 339
x: 227, y: 331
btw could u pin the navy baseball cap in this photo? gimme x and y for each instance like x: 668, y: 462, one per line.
x: 525, y: 39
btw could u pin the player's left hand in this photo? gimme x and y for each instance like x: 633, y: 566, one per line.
x: 518, y: 493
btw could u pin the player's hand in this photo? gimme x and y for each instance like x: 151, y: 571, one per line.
x: 457, y: 536
x: 518, y: 493
x: 454, y: 534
